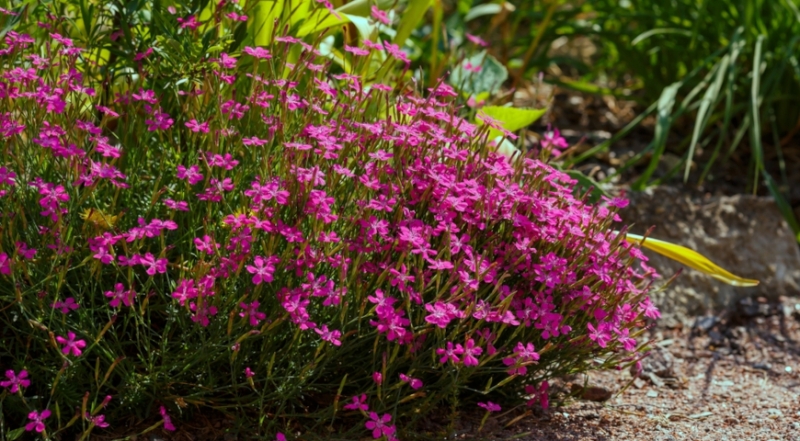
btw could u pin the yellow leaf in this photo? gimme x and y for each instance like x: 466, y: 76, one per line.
x: 100, y: 219
x: 690, y: 258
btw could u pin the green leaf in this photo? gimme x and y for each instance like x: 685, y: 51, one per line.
x: 412, y: 16
x: 264, y: 15
x: 489, y: 79
x: 783, y: 205
x: 585, y: 183
x: 511, y: 118
x: 484, y: 9
x: 16, y: 433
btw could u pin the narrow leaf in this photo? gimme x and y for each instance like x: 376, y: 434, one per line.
x: 690, y: 258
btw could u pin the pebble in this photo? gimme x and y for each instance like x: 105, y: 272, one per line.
x: 775, y: 413
x: 652, y: 394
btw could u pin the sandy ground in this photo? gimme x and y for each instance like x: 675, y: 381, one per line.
x: 730, y: 377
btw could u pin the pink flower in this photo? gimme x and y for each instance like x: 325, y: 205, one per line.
x: 15, y: 381
x: 167, y: 420
x: 142, y: 55
x: 99, y: 420
x: 252, y: 312
x: 258, y: 52
x: 441, y: 314
x: 66, y: 306
x: 359, y: 403
x: 248, y: 373
x: 120, y: 294
x: 192, y: 174
x: 471, y: 353
x: 451, y: 353
x: 5, y: 264
x: 490, y: 407
x: 196, y: 127
x: 415, y: 383
x: 379, y: 425
x: 37, y: 420
x: 379, y: 15
x: 153, y: 265
x: 600, y: 335
x: 159, y: 121
x: 329, y: 336
x: 553, y: 139
x: 262, y: 269
x: 190, y: 22
x: 280, y: 437
x: 377, y: 378
x: 71, y: 346
x: 539, y: 394
x: 477, y: 40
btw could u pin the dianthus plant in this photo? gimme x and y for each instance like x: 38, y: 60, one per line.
x: 287, y: 243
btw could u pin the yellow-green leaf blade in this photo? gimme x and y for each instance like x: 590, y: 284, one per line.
x: 690, y: 258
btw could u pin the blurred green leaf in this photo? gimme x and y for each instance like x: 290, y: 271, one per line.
x: 491, y: 76
x: 481, y: 10
x: 412, y: 17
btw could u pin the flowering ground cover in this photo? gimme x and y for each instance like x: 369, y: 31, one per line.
x: 285, y: 242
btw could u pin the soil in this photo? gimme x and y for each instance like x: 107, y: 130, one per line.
x: 729, y: 377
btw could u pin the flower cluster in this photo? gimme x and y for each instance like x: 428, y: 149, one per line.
x: 320, y: 233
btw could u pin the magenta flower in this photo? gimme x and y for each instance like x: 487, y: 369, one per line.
x: 600, y: 335
x: 15, y: 381
x: 191, y: 174
x: 37, y: 420
x: 258, y: 52
x: 98, y: 420
x: 251, y: 311
x: 450, y: 353
x: 71, y: 346
x: 415, y: 383
x: 329, y: 336
x: 66, y: 306
x: 248, y: 373
x: 196, y: 127
x: 262, y: 269
x: 380, y: 16
x: 359, y: 403
x: 490, y: 407
x: 538, y: 394
x: 471, y: 352
x: 379, y: 425
x: 159, y: 121
x: 5, y: 264
x: 377, y: 378
x: 553, y: 139
x: 477, y: 40
x: 167, y: 420
x: 120, y: 294
x: 441, y: 314
x: 153, y: 265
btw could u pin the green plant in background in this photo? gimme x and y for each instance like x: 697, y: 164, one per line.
x: 727, y: 69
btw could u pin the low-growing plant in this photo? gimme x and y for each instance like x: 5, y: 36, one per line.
x: 296, y: 248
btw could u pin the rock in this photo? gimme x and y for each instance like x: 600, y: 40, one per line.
x: 744, y: 234
x: 705, y: 323
x: 659, y: 362
x: 652, y: 394
x: 591, y: 393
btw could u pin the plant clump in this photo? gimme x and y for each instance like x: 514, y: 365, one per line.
x: 285, y: 242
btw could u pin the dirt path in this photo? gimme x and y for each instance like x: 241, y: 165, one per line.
x: 734, y: 377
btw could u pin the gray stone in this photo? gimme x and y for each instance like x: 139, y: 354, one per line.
x: 744, y: 234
